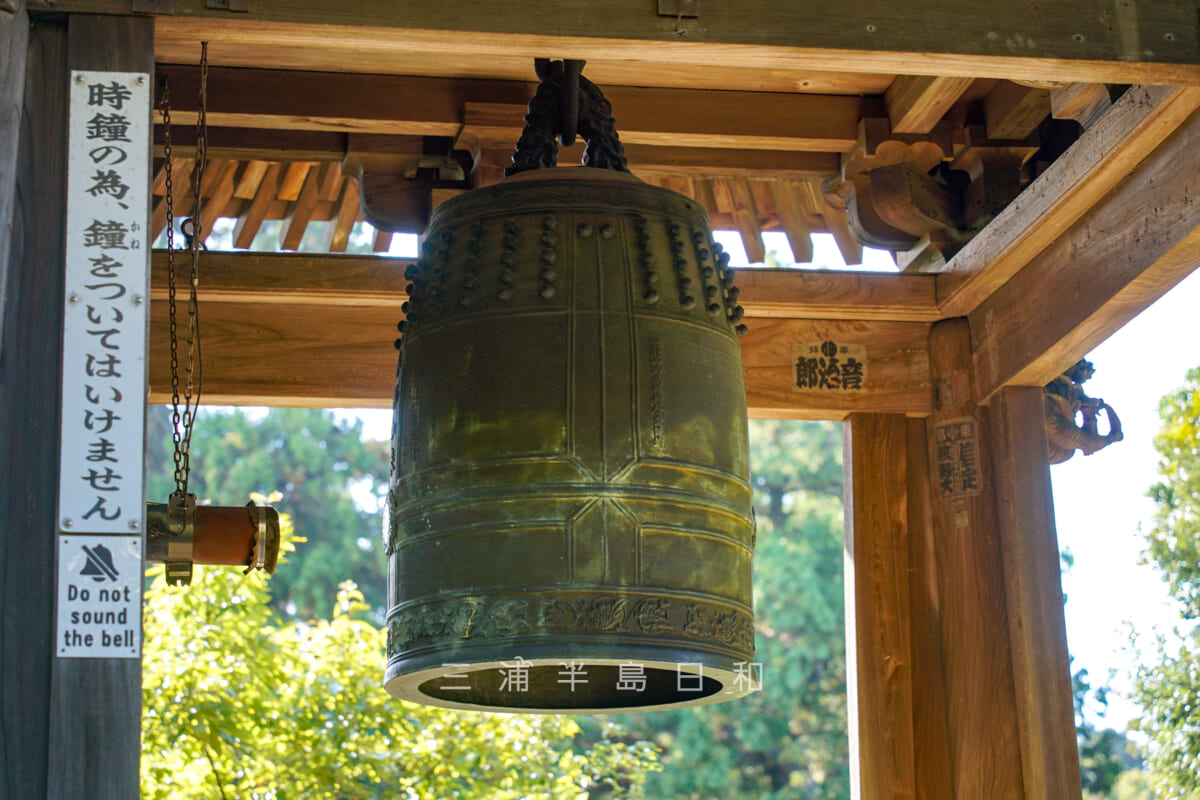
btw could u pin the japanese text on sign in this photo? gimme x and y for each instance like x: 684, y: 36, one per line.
x: 829, y: 366
x: 956, y: 453
x: 104, y: 323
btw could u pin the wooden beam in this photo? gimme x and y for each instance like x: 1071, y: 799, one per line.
x: 320, y: 356
x: 1136, y: 244
x: 1102, y: 157
x: 837, y: 294
x: 1013, y: 111
x: 1033, y: 584
x: 879, y: 657
x: 366, y: 280
x: 916, y: 103
x: 291, y: 279
x: 1083, y: 102
x: 649, y: 161
x: 388, y: 104
x: 897, y: 379
x: 307, y: 315
x: 254, y: 144
x: 942, y: 37
x: 984, y: 734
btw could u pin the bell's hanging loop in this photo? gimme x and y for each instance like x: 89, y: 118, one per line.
x: 565, y: 105
x: 570, y: 527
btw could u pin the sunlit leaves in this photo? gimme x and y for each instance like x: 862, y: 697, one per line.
x: 239, y: 703
x: 1169, y: 688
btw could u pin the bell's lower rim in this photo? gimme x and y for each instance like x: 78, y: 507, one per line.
x: 551, y: 688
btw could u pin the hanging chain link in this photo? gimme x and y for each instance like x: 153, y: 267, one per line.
x: 183, y: 421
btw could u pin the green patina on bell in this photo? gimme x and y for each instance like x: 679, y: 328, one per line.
x: 570, y: 526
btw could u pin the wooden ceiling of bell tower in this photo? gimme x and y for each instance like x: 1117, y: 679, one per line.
x: 299, y: 193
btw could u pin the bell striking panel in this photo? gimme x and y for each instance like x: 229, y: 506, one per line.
x: 570, y: 524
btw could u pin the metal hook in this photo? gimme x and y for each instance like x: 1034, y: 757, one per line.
x: 188, y: 229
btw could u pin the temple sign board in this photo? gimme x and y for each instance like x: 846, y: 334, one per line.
x: 105, y: 318
x: 99, y: 597
x: 101, y: 501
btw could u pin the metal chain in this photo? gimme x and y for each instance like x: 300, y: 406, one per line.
x: 165, y: 107
x: 182, y: 422
x: 192, y: 364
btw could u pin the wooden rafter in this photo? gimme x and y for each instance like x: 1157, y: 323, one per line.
x: 302, y: 192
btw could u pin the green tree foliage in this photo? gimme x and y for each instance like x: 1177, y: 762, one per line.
x: 789, y: 741
x: 1106, y: 755
x: 239, y: 703
x: 322, y: 468
x: 1175, y: 539
x: 1169, y: 688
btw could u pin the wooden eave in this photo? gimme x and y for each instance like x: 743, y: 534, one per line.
x: 754, y: 109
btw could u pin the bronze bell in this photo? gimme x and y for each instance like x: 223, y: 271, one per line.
x: 570, y: 522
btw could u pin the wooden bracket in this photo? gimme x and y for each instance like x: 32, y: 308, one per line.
x: 995, y: 170
x: 398, y: 177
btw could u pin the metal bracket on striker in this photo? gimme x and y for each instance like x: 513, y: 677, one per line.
x: 266, y: 538
x: 181, y: 527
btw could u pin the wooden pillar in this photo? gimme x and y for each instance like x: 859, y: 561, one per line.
x: 1033, y: 584
x: 14, y: 46
x: 29, y: 405
x: 878, y: 643
x: 983, y: 731
x: 897, y: 702
x: 930, y: 716
x: 69, y: 728
x: 959, y: 684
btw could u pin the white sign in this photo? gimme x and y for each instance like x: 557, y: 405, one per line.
x: 99, y: 597
x: 105, y: 330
